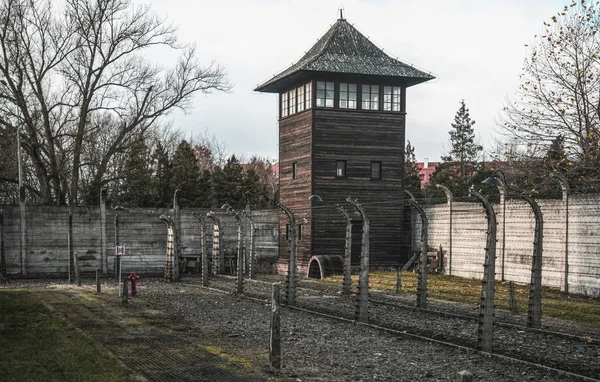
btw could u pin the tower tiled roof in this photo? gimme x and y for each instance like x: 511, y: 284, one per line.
x: 344, y: 50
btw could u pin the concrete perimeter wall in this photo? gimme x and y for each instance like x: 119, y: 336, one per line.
x: 141, y: 231
x: 469, y: 228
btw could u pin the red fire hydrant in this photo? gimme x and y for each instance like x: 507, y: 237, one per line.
x: 133, y: 277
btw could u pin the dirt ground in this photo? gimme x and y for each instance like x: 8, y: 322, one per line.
x: 314, y: 348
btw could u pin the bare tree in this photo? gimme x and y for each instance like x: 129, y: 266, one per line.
x: 79, y: 83
x: 559, y: 95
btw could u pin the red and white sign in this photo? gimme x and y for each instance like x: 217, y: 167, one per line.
x: 120, y: 250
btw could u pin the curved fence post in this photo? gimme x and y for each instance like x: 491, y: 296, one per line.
x: 362, y: 297
x: 450, y: 198
x: 290, y: 295
x: 203, y: 248
x: 171, y: 264
x: 422, y: 279
x: 564, y: 185
x: 2, y: 253
x: 534, y: 310
x: 485, y: 333
x: 251, y: 260
x: 103, y: 242
x: 240, y: 260
x: 347, y: 251
x: 177, y: 231
x: 217, y: 257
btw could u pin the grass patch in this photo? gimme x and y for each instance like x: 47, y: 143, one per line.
x: 579, y: 309
x: 39, y: 345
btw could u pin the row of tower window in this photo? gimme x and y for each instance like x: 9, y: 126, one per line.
x: 340, y: 171
x: 349, y: 96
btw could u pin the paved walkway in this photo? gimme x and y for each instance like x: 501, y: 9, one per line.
x: 149, y: 351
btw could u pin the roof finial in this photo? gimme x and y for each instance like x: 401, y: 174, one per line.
x: 341, y: 9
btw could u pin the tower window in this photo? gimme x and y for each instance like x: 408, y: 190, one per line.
x: 300, y: 92
x: 347, y: 96
x: 287, y: 232
x: 340, y: 171
x: 292, y: 101
x: 284, y: 104
x: 391, y: 98
x: 300, y: 226
x: 325, y: 94
x: 375, y: 170
x: 294, y: 170
x: 308, y: 95
x: 370, y: 97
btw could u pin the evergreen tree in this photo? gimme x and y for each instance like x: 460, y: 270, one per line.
x: 231, y: 189
x: 136, y: 189
x: 412, y: 180
x: 254, y: 191
x: 461, y: 164
x: 194, y: 186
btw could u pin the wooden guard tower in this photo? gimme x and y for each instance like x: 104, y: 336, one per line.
x: 342, y: 118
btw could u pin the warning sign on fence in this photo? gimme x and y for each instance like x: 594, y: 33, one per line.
x: 120, y: 250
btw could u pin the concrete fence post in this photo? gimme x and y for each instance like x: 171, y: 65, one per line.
x: 347, y: 288
x: 71, y: 265
x: 534, y: 310
x: 362, y: 297
x: 125, y: 294
x: 22, y: 226
x: 275, y: 332
x: 503, y: 194
x: 240, y: 240
x: 103, y: 246
x: 422, y: 277
x: 399, y: 280
x: 176, y: 231
x: 98, y: 282
x: 485, y: 332
x: 290, y: 295
x: 217, y: 256
x: 450, y: 198
x: 251, y: 252
x: 171, y: 256
x: 117, y: 266
x: 203, y: 248
x: 464, y: 376
x: 2, y: 253
x: 564, y: 185
x: 250, y: 257
x: 512, y: 300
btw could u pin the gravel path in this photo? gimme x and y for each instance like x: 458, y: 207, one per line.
x: 321, y: 349
x: 569, y: 354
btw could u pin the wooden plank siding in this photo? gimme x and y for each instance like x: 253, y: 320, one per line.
x: 295, y: 145
x: 359, y: 138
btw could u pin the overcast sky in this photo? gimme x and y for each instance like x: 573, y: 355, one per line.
x: 475, y: 49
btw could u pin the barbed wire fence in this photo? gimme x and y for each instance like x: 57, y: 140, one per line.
x: 464, y: 255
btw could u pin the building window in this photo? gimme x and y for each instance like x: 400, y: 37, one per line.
x: 370, y: 97
x: 284, y: 104
x: 325, y: 94
x: 340, y: 171
x: 300, y: 92
x: 287, y: 232
x: 391, y: 98
x: 292, y: 101
x: 308, y: 95
x: 375, y: 170
x: 347, y: 96
x: 300, y: 226
x: 294, y: 170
